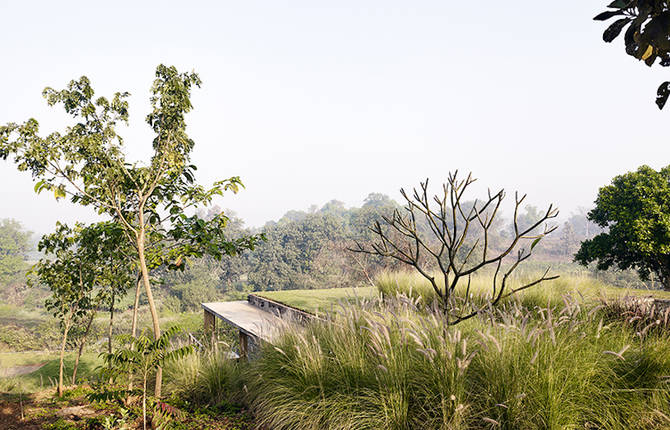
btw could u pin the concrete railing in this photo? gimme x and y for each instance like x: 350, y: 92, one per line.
x: 280, y: 309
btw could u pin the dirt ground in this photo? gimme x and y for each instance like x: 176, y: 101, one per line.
x: 16, y: 413
x: 38, y: 410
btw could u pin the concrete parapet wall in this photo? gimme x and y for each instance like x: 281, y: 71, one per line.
x: 280, y: 309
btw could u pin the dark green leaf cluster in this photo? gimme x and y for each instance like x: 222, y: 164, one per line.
x: 635, y: 210
x: 647, y: 36
x: 170, y: 102
x: 142, y: 355
x: 84, y: 267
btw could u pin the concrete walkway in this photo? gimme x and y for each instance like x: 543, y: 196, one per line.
x: 251, y: 320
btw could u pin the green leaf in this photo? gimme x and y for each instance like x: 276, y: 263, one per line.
x: 615, y: 29
x: 619, y: 4
x: 607, y: 15
x: 662, y: 94
x: 535, y: 242
x: 59, y: 192
x: 39, y: 186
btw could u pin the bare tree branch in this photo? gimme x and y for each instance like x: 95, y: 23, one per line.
x: 437, y: 234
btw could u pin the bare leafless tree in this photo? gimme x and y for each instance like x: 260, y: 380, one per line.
x: 437, y: 233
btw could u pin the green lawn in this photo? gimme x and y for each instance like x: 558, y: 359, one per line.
x: 46, y: 376
x: 11, y: 359
x: 316, y: 301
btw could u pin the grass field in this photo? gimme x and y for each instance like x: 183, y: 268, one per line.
x: 553, y: 291
x: 27, y: 358
x: 393, y: 366
x: 322, y: 300
x: 46, y: 376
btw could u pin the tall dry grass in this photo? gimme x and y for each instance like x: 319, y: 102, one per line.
x: 412, y: 284
x: 387, y: 365
x: 208, y: 378
x: 551, y: 358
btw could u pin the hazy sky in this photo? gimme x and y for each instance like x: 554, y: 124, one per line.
x: 310, y: 101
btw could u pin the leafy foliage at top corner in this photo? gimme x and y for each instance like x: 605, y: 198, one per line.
x: 646, y: 35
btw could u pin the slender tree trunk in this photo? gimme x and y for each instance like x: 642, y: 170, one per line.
x: 81, y: 347
x: 144, y: 402
x: 150, y: 297
x: 133, y: 330
x: 59, y: 390
x: 136, y: 305
x: 111, y: 323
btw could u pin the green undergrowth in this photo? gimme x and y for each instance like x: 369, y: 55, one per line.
x: 552, y: 357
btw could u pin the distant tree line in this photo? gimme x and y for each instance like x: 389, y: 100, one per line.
x: 305, y: 249
x: 310, y: 249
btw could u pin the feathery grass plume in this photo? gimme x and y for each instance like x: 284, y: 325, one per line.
x: 415, y: 287
x: 211, y: 378
x: 394, y: 364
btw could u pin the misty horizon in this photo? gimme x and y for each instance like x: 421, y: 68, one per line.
x: 308, y: 104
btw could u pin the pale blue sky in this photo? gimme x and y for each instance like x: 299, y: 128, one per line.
x: 311, y: 100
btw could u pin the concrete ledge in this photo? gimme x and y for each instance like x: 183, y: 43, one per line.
x: 249, y: 319
x: 277, y: 308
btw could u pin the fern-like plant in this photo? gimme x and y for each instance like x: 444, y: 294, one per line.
x: 139, y: 358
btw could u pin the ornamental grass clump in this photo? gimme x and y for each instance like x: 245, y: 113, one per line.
x: 208, y: 378
x: 415, y: 286
x: 387, y: 364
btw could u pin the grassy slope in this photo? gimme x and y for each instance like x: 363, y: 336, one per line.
x: 10, y: 314
x: 322, y: 300
x: 27, y: 358
x: 48, y: 374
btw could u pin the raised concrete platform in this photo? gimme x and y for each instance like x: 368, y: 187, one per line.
x: 249, y: 319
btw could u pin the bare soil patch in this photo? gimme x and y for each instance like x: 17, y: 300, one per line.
x: 20, y: 370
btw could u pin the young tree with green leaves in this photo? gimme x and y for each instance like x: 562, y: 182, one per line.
x: 140, y: 358
x: 86, y: 163
x: 86, y: 268
x: 634, y: 210
x: 104, y: 243
x: 71, y: 277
